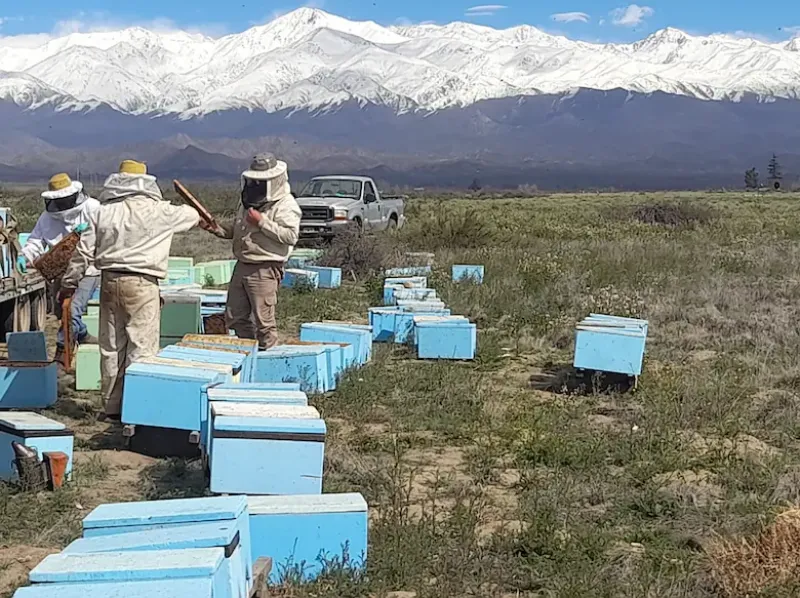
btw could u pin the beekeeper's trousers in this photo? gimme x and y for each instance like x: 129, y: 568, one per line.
x: 130, y: 327
x: 252, y: 296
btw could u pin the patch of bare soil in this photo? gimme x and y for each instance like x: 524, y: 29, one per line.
x: 15, y: 564
x: 123, y: 480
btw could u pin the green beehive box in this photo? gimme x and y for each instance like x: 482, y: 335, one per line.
x: 93, y: 310
x: 180, y: 263
x: 92, y: 322
x: 87, y: 368
x: 180, y: 315
x: 220, y: 271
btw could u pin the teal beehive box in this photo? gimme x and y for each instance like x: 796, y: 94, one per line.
x: 180, y: 262
x: 87, y: 368
x: 266, y: 449
x: 218, y: 272
x: 34, y: 431
x: 180, y: 315
x: 223, y: 535
x: 302, y: 532
x: 92, y: 322
x: 122, y: 518
x: 610, y: 344
x: 148, y: 566
x: 442, y: 339
x: 28, y: 385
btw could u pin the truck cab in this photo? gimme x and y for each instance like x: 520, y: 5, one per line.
x: 333, y: 202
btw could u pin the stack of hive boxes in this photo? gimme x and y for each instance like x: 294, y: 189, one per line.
x: 413, y: 314
x: 213, y: 547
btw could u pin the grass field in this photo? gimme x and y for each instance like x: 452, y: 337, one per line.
x: 502, y: 477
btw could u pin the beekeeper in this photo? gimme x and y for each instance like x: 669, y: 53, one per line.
x: 67, y: 209
x: 264, y: 234
x: 129, y: 239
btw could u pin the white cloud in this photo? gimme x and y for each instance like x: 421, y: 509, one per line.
x: 571, y: 17
x: 631, y: 16
x: 485, y: 10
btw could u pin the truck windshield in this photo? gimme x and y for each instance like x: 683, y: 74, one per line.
x: 332, y: 188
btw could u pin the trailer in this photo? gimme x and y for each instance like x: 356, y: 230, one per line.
x: 23, y: 303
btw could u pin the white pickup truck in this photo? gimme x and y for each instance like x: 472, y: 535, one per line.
x: 330, y: 203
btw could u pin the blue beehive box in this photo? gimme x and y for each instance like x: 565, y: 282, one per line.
x: 235, y: 360
x: 306, y: 365
x: 409, y: 271
x: 28, y: 385
x: 304, y: 531
x: 610, y: 344
x: 414, y: 282
x: 225, y: 369
x: 195, y: 587
x: 329, y: 278
x: 293, y: 277
x: 27, y: 346
x: 416, y: 305
x: 325, y: 332
x: 257, y: 386
x: 395, y: 324
x: 101, y: 569
x: 266, y: 449
x: 123, y: 518
x: 414, y: 295
x: 234, y: 394
x: 167, y: 396
x: 223, y: 535
x: 35, y: 431
x: 435, y: 318
x: 445, y: 340
x: 338, y: 357
x: 206, y: 341
x: 468, y: 274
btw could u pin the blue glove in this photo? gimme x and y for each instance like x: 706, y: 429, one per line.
x: 81, y: 227
x: 22, y: 264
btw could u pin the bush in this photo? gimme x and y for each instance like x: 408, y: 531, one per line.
x: 681, y: 215
x: 358, y: 254
x: 450, y: 228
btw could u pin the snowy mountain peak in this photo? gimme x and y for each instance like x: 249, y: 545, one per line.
x: 309, y: 59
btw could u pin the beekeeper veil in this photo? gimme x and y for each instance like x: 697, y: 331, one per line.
x: 266, y: 180
x: 63, y: 196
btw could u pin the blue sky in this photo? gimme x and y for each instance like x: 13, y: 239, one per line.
x: 585, y: 19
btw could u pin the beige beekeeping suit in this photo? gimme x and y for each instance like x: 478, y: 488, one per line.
x: 129, y: 239
x: 261, y: 250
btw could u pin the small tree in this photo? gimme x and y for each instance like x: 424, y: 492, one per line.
x: 475, y: 186
x: 751, y: 179
x: 774, y: 168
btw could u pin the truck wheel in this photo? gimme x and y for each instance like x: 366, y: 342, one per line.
x: 392, y: 222
x: 359, y: 225
x: 39, y: 311
x: 22, y: 314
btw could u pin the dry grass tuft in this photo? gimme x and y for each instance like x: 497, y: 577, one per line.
x: 746, y: 567
x: 676, y: 215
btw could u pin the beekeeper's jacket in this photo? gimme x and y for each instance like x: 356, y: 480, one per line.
x: 131, y: 231
x: 54, y: 226
x: 274, y: 238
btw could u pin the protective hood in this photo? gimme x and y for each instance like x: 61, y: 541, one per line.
x: 121, y: 186
x: 69, y: 214
x: 256, y: 193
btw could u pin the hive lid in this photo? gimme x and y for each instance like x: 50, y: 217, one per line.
x: 23, y: 421
x: 259, y: 386
x: 306, y: 504
x: 164, y: 587
x: 191, y: 353
x: 334, y: 328
x: 291, y: 350
x: 433, y: 319
x: 248, y: 427
x: 120, y: 566
x: 174, y: 373
x: 221, y: 339
x: 186, y: 363
x: 201, y: 535
x: 231, y: 394
x: 263, y: 410
x: 162, y: 512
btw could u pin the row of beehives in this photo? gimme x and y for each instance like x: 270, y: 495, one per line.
x: 213, y: 547
x: 183, y: 272
x: 413, y: 314
x: 220, y: 397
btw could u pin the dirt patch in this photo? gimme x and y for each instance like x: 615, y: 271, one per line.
x: 702, y: 356
x: 690, y: 488
x: 123, y: 481
x: 744, y: 446
x: 15, y: 564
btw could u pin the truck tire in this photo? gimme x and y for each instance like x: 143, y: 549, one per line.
x: 22, y: 314
x: 38, y: 311
x: 392, y: 225
x: 359, y: 225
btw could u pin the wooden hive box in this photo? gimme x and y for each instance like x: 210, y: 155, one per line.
x: 266, y: 449
x: 610, y: 344
x: 306, y: 366
x: 223, y: 534
x: 300, y: 529
x: 118, y: 518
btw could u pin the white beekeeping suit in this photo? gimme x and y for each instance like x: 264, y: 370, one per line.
x: 129, y: 240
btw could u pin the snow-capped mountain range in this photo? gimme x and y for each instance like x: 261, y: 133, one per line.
x: 309, y: 59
